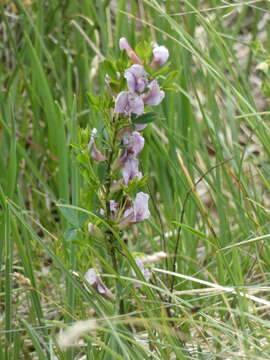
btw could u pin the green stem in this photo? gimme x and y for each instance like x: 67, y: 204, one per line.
x: 108, y: 214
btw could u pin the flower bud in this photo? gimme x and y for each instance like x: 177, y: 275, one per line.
x: 95, y: 154
x: 124, y: 45
x: 161, y: 54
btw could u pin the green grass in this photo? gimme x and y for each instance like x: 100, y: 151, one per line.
x: 213, y: 132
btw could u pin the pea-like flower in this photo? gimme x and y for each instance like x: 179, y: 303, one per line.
x: 95, y: 282
x: 155, y: 95
x: 146, y: 272
x: 160, y: 56
x: 128, y: 103
x: 136, y: 78
x: 131, y: 169
x: 124, y: 45
x: 96, y: 155
x: 138, y: 212
x: 134, y: 142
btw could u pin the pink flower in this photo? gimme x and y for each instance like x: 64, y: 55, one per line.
x: 93, y: 279
x: 136, y: 78
x: 161, y: 54
x: 155, y: 95
x: 124, y: 45
x: 138, y: 212
x: 96, y: 155
x: 134, y: 142
x: 127, y: 103
x: 146, y: 272
x: 131, y: 169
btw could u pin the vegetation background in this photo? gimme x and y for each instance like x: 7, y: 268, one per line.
x: 208, y: 164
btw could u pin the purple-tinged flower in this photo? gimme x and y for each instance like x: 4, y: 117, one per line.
x: 113, y: 206
x: 93, y: 279
x: 161, y: 54
x: 138, y: 212
x: 124, y: 45
x: 127, y: 103
x: 134, y: 142
x: 155, y: 95
x: 136, y: 78
x: 96, y: 155
x: 131, y: 169
x: 146, y: 272
x: 95, y: 282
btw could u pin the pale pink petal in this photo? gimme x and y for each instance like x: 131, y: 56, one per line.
x: 134, y: 142
x: 121, y: 102
x: 131, y: 170
x: 136, y: 78
x: 128, y: 103
x: 124, y: 45
x: 141, y: 206
x: 161, y: 55
x: 136, y: 105
x: 155, y: 95
x: 91, y: 276
x: 131, y: 81
x: 94, y: 280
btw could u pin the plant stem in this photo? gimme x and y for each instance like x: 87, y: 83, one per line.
x: 108, y: 214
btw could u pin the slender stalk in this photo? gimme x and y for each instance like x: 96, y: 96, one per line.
x: 110, y: 237
x: 188, y: 193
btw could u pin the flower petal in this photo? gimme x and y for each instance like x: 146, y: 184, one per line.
x: 161, y: 55
x: 136, y: 78
x: 121, y: 102
x: 155, y: 95
x: 131, y: 170
x: 141, y: 206
x: 134, y: 142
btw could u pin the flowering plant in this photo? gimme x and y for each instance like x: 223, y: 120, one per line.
x: 111, y: 158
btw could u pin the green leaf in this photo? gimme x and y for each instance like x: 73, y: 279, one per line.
x: 70, y: 234
x: 94, y: 101
x: 102, y: 171
x: 144, y: 119
x: 109, y: 68
x: 74, y: 217
x: 135, y: 184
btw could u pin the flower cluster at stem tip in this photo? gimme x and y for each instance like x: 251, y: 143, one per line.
x: 141, y: 90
